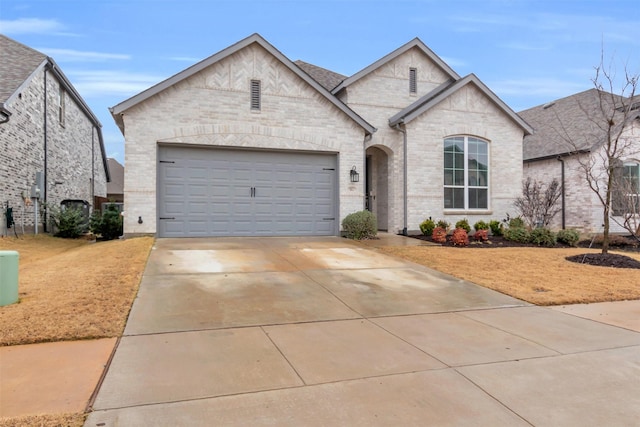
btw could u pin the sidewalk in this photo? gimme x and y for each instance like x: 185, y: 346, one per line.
x: 51, y: 378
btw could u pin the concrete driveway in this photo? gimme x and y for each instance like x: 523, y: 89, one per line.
x: 325, y: 331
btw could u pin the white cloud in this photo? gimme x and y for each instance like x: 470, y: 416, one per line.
x: 31, y: 26
x: 99, y: 83
x: 70, y: 55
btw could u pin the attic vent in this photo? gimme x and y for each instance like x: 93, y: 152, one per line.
x: 255, y: 95
x: 548, y: 105
x: 413, y: 80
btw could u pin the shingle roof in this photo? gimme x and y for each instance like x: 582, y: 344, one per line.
x: 17, y: 63
x: 116, y: 186
x: 567, y: 125
x: 327, y: 78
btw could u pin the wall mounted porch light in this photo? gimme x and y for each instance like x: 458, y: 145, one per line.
x: 355, y: 176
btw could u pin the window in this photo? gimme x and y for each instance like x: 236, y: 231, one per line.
x: 466, y: 173
x: 61, y: 108
x: 631, y: 180
x: 413, y: 80
x: 255, y: 95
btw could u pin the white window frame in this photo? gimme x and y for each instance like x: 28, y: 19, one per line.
x: 466, y: 187
x: 635, y: 195
x: 62, y: 106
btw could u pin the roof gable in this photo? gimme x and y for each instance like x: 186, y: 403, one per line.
x: 570, y: 124
x: 415, y: 43
x: 117, y: 110
x: 447, y: 89
x: 18, y: 65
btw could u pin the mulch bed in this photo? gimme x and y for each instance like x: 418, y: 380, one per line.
x: 600, y: 260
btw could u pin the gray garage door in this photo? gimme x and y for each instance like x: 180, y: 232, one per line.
x: 219, y: 192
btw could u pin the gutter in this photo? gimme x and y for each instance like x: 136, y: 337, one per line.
x: 403, y: 130
x: 44, y: 173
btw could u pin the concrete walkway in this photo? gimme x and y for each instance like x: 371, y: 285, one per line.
x: 324, y: 331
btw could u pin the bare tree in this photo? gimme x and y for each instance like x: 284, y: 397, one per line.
x: 538, y: 203
x: 610, y: 142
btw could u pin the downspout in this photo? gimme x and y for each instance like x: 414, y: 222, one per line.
x: 93, y: 167
x: 367, y: 138
x: 562, y: 178
x: 44, y: 172
x: 404, y: 192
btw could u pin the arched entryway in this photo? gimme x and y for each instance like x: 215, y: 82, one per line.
x: 377, y: 185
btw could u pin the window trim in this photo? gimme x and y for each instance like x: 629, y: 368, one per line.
x: 62, y: 106
x: 466, y: 187
x: 635, y: 195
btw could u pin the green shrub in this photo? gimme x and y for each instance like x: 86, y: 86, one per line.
x: 516, y: 222
x: 459, y: 237
x: 496, y: 227
x: 480, y: 225
x: 443, y: 224
x: 464, y: 224
x: 517, y: 234
x: 108, y: 224
x: 70, y: 223
x: 542, y: 237
x: 427, y: 226
x: 360, y: 225
x: 568, y: 237
x: 439, y: 235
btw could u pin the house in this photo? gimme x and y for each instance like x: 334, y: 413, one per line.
x: 51, y: 147
x: 571, y: 133
x: 115, y: 187
x: 249, y: 143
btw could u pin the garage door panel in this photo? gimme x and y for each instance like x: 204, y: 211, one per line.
x: 243, y: 208
x: 222, y: 192
x: 194, y: 208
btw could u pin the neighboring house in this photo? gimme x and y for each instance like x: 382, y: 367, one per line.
x: 570, y: 133
x: 115, y: 187
x: 249, y: 143
x: 50, y: 141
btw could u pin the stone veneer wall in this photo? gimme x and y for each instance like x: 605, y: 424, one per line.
x: 212, y: 108
x: 383, y: 93
x: 377, y: 97
x: 69, y: 152
x: 466, y: 112
x: 583, y: 210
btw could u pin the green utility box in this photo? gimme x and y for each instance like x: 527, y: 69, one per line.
x: 8, y: 277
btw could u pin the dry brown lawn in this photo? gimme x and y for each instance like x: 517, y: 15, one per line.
x: 53, y: 420
x: 540, y: 276
x: 72, y: 289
